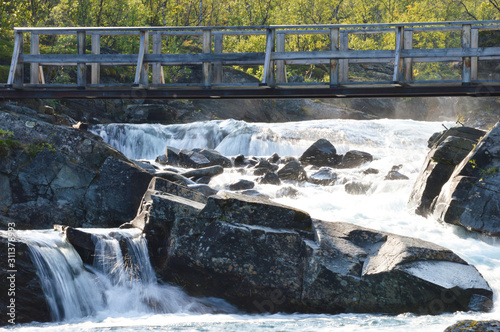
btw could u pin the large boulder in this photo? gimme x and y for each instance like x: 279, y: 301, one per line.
x: 448, y: 149
x: 293, y: 171
x: 321, y: 153
x: 266, y: 257
x: 471, y: 197
x: 474, y: 325
x: 56, y: 174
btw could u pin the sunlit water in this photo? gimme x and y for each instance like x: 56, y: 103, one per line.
x: 391, y: 142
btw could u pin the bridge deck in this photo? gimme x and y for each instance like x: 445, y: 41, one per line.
x: 149, y: 80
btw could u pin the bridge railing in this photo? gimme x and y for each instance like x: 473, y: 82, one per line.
x: 274, y: 59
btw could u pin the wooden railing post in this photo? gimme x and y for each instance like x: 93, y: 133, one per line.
x: 34, y: 67
x: 81, y: 76
x: 95, y: 68
x: 408, y: 62
x: 268, y: 76
x: 141, y: 75
x: 466, y: 61
x: 218, y: 48
x: 280, y: 64
x: 474, y: 43
x: 344, y: 63
x: 334, y: 63
x: 16, y: 72
x: 398, y: 60
x: 207, y: 39
x: 158, y: 77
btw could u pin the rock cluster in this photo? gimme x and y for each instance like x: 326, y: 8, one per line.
x: 460, y: 179
x: 266, y: 257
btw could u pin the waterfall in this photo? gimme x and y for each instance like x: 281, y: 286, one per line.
x: 121, y: 279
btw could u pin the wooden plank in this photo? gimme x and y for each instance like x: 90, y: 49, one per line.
x: 344, y: 63
x: 218, y: 49
x: 398, y: 61
x: 334, y: 63
x: 280, y: 64
x: 466, y: 65
x: 81, y: 76
x: 95, y: 68
x: 14, y: 64
x: 408, y: 62
x: 268, y: 76
x: 207, y: 41
x: 140, y: 59
x: 157, y: 68
x: 145, y: 65
x: 34, y: 67
x: 474, y: 44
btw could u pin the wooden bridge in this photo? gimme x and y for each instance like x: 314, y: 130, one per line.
x: 149, y: 82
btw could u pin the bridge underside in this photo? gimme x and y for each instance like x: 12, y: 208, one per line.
x: 254, y: 93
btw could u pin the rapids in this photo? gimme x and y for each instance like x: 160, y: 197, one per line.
x: 391, y: 142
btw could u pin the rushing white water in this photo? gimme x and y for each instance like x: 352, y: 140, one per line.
x: 391, y: 142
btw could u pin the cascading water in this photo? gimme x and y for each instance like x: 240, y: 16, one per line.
x: 120, y: 281
x: 384, y: 207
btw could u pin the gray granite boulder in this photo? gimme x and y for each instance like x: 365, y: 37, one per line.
x: 267, y: 257
x: 57, y: 174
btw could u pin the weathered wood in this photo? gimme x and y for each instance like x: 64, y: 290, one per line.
x: 280, y: 64
x: 218, y: 49
x: 157, y: 68
x: 344, y: 63
x: 398, y: 61
x: 268, y: 77
x: 408, y: 62
x: 474, y: 43
x: 207, y: 40
x: 466, y: 65
x: 140, y: 59
x: 95, y: 68
x: 81, y: 76
x: 334, y: 63
x: 14, y: 64
x: 34, y: 67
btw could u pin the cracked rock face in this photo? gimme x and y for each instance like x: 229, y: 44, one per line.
x: 459, y: 183
x: 266, y: 257
x: 63, y: 175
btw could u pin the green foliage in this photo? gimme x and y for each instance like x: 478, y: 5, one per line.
x: 8, y: 143
x: 111, y: 13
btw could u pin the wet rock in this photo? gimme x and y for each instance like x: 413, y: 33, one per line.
x: 203, y: 188
x: 62, y: 175
x: 356, y: 188
x: 321, y: 153
x: 474, y: 325
x: 145, y: 165
x: 369, y: 171
x: 394, y: 174
x: 203, y: 172
x: 82, y: 242
x: 158, y: 184
x: 204, y: 180
x: 241, y: 185
x: 325, y: 176
x: 274, y: 158
x: 269, y: 178
x: 470, y: 198
x: 174, y: 177
x: 239, y: 160
x: 30, y: 304
x: 294, y: 171
x: 255, y: 193
x: 215, y: 158
x: 248, y: 251
x: 448, y: 149
x: 354, y: 158
x: 287, y: 192
x: 192, y: 159
x: 172, y: 156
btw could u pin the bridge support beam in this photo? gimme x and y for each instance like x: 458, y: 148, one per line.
x: 408, y: 62
x: 95, y: 68
x: 466, y: 44
x: 207, y: 72
x: 334, y: 63
x: 268, y: 76
x: 218, y: 49
x: 280, y: 64
x: 81, y: 73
